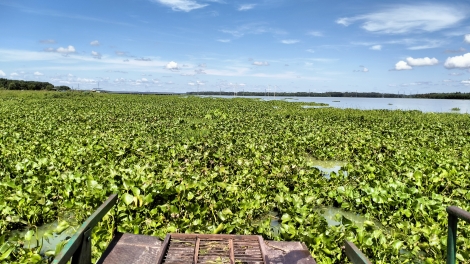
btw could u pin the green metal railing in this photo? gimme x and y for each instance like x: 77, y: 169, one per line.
x: 454, y: 214
x: 79, y: 246
x: 354, y: 254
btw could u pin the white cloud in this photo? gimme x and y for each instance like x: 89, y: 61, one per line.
x: 462, y: 61
x: 14, y: 74
x: 456, y: 73
x: 315, y: 33
x: 85, y: 80
x: 465, y: 81
x: 409, y: 18
x: 246, y: 7
x: 421, y: 61
x: 224, y: 40
x: 2, y: 73
x: 467, y: 38
x: 419, y: 43
x: 96, y: 54
x: 376, y: 47
x: 191, y: 83
x: 172, y: 65
x: 95, y: 43
x: 310, y: 50
x: 252, y: 28
x: 290, y: 41
x: 402, y: 65
x: 38, y: 74
x: 181, y: 5
x: 260, y: 63
x: 47, y: 41
x: 69, y: 49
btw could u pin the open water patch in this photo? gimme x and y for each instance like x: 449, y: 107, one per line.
x: 327, y: 167
x: 49, y: 235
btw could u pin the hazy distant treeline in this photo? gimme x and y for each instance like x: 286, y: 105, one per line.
x: 455, y: 95
x: 6, y: 84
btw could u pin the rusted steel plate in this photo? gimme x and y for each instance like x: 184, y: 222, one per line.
x: 287, y: 252
x: 195, y: 248
x: 132, y: 249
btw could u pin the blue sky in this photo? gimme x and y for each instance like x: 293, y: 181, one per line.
x: 275, y: 45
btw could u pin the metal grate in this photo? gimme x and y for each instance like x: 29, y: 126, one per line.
x: 230, y: 249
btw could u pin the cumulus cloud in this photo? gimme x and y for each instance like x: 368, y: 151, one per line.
x: 421, y: 61
x: 200, y: 71
x: 96, y: 54
x: 69, y: 49
x: 14, y: 74
x: 310, y: 50
x: 402, y: 65
x: 181, y: 5
x: 462, y: 61
x: 376, y: 47
x: 95, y: 43
x: 224, y: 40
x: 290, y: 41
x: 467, y: 38
x: 2, y: 73
x: 246, y: 7
x: 47, y: 41
x: 172, y: 66
x: 260, y: 63
x: 401, y: 19
x: 38, y: 74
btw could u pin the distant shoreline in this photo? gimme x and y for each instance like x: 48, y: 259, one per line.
x: 455, y: 95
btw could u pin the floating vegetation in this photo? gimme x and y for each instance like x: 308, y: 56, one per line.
x: 455, y: 109
x: 203, y: 165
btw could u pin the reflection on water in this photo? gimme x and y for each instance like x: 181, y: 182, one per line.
x: 327, y: 166
x: 48, y: 244
x: 424, y: 105
x: 315, y: 106
x: 334, y: 216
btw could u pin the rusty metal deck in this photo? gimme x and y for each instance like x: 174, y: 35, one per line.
x: 192, y: 248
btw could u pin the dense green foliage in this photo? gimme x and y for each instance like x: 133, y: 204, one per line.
x: 210, y: 165
x: 6, y: 84
x: 455, y: 95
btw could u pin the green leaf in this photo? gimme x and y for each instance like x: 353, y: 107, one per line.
x: 127, y: 198
x: 285, y: 217
x: 29, y: 235
x: 61, y: 227
x: 190, y: 195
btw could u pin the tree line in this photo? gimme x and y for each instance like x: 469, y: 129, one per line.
x: 454, y: 95
x: 6, y: 84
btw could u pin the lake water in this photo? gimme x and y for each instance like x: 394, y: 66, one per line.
x: 424, y: 105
